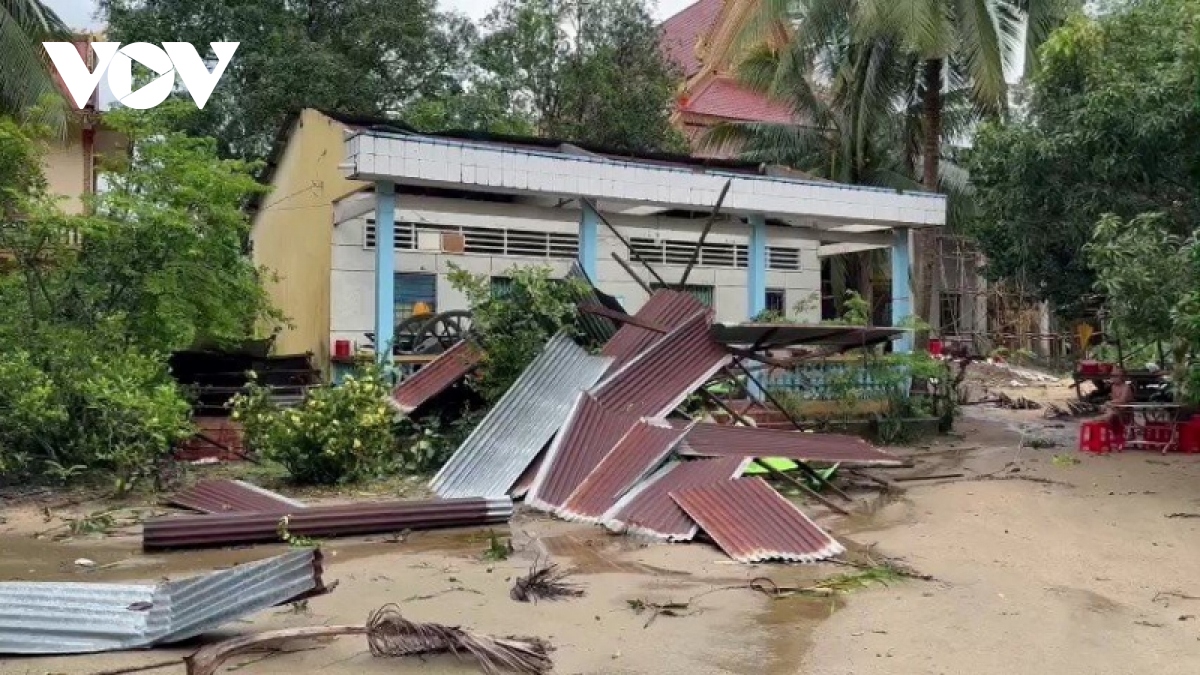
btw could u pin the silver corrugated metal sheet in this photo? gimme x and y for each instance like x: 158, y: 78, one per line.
x: 81, y: 618
x: 752, y: 522
x: 499, y: 450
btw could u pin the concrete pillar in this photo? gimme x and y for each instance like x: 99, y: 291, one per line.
x: 901, y: 286
x: 589, y: 241
x: 385, y: 270
x: 756, y: 267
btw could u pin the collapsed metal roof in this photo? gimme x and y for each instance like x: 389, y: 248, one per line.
x: 516, y: 429
x: 752, y: 522
x: 595, y: 327
x: 648, y: 509
x: 436, y: 376
x: 82, y: 618
x: 642, y: 449
x: 589, y: 434
x: 321, y: 521
x: 724, y: 440
x: 766, y: 336
x: 232, y: 496
x: 665, y: 309
x: 658, y: 380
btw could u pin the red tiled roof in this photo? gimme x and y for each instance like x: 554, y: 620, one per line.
x: 725, y: 98
x: 682, y: 32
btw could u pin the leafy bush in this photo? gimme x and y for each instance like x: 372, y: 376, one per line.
x: 338, y: 434
x: 513, y: 326
x: 70, y: 404
x: 426, y: 447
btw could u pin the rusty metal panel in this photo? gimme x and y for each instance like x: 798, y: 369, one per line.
x: 321, y: 521
x: 82, y: 618
x: 232, y: 496
x: 659, y: 379
x: 520, y: 425
x: 635, y: 456
x: 648, y: 509
x: 668, y: 309
x: 723, y: 440
x: 752, y: 522
x: 776, y: 336
x: 436, y: 376
x: 590, y: 433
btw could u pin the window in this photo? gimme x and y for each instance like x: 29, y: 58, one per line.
x: 501, y: 287
x: 702, y: 293
x: 487, y: 240
x: 411, y: 289
x: 783, y: 258
x: 680, y: 252
x: 951, y: 313
x: 776, y: 301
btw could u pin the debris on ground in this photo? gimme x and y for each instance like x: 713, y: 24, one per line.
x: 546, y: 582
x: 1020, y: 403
x: 391, y: 635
x: 1073, y: 409
x: 1183, y: 515
x: 84, y: 618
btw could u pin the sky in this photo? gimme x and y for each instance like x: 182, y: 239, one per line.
x: 80, y: 14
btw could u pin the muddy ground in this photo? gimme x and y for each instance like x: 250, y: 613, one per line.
x: 1042, y: 565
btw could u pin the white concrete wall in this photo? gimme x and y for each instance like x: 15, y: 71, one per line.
x: 352, y: 279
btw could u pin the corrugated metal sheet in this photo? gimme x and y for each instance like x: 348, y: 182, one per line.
x: 723, y: 440
x: 598, y: 328
x: 436, y: 376
x: 322, y: 521
x: 635, y: 456
x: 752, y: 522
x: 772, y: 336
x: 668, y: 309
x: 80, y: 618
x: 648, y: 509
x: 232, y: 496
x: 499, y: 450
x: 658, y: 380
x: 589, y: 434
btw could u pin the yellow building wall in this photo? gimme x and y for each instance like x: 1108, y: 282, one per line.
x: 65, y: 170
x: 293, y: 232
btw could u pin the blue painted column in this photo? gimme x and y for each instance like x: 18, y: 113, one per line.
x: 589, y: 241
x: 901, y: 287
x: 756, y: 267
x: 385, y: 270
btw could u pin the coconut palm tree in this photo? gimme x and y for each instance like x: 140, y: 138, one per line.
x: 26, y: 83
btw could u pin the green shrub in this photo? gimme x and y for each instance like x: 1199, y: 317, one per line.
x: 75, y: 403
x: 426, y: 447
x: 338, y: 434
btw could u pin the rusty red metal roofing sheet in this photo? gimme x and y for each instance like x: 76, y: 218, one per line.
x: 723, y: 440
x: 683, y: 32
x: 589, y: 434
x: 665, y: 309
x: 658, y: 380
x: 436, y: 376
x: 232, y: 496
x: 231, y: 529
x: 648, y: 509
x: 752, y: 522
x: 636, y: 455
x: 724, y: 97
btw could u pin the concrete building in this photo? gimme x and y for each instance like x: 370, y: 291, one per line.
x: 343, y: 188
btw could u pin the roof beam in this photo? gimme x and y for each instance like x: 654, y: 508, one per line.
x: 829, y: 250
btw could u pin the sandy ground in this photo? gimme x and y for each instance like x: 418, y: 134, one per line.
x: 1042, y: 566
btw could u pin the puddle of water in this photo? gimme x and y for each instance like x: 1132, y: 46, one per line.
x: 883, y: 511
x: 790, y: 623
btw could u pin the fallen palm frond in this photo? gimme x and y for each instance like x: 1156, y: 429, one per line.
x: 1073, y: 409
x: 548, y: 583
x: 1021, y: 403
x: 389, y: 634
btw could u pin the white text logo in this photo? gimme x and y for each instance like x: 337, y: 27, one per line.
x: 117, y: 62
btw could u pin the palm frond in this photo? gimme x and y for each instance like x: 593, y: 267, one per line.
x: 27, y: 88
x: 923, y: 25
x: 1042, y: 17
x: 984, y: 47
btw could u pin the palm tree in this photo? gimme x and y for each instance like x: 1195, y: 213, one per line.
x: 26, y: 82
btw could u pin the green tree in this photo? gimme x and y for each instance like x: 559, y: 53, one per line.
x: 1110, y: 129
x: 586, y: 71
x: 26, y: 83
x: 371, y: 57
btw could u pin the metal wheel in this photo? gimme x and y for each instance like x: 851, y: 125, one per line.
x: 442, y: 332
x: 405, y: 337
